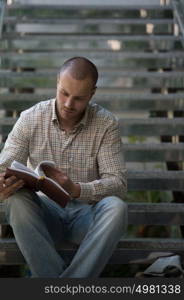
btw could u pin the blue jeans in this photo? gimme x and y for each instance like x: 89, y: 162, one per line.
x: 39, y: 225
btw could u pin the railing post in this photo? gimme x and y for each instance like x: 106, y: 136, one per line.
x: 2, y: 9
x: 178, y: 10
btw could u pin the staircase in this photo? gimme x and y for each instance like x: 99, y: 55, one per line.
x: 139, y: 53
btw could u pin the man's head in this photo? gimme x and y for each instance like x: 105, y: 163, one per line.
x: 76, y: 84
x: 80, y: 68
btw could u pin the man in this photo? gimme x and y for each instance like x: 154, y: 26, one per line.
x: 83, y: 140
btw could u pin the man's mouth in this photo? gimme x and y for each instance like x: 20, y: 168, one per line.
x: 68, y: 110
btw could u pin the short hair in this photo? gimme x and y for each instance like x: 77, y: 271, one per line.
x: 80, y: 68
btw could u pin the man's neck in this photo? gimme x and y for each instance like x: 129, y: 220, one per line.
x: 68, y: 126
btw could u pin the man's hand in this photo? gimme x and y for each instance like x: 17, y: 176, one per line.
x: 9, y: 186
x: 72, y: 188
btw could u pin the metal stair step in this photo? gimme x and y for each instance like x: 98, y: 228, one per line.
x: 13, y: 41
x: 87, y: 21
x: 137, y: 127
x: 108, y: 78
x: 124, y: 101
x: 104, y: 59
x: 143, y: 213
x: 10, y: 254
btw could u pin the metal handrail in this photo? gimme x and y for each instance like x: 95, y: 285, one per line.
x: 2, y: 11
x: 178, y: 9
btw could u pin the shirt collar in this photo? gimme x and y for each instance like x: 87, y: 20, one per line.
x: 54, y: 115
x: 84, y: 119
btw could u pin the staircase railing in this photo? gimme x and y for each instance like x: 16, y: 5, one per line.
x: 178, y: 9
x: 2, y: 10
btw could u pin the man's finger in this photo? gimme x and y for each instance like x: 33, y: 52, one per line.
x: 10, y: 190
x: 1, y: 182
x: 15, y: 185
x: 6, y: 182
x: 11, y: 180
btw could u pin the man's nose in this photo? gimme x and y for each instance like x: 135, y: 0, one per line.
x: 69, y: 102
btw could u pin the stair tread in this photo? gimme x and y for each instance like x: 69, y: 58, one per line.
x: 87, y: 21
x: 145, y: 121
x: 96, y: 54
x: 133, y: 73
x: 144, y: 243
x: 10, y: 35
x: 100, y: 95
x: 88, y: 6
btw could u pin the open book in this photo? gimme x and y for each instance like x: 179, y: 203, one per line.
x: 39, y: 180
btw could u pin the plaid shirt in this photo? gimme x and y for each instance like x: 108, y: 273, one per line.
x: 91, y: 154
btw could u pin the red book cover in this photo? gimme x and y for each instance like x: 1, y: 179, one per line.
x: 38, y: 181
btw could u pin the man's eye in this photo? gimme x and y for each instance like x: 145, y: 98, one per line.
x: 63, y: 93
x: 79, y: 98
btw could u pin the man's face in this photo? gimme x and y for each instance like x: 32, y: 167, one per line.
x: 72, y: 97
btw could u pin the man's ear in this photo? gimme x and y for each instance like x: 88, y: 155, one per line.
x: 94, y: 91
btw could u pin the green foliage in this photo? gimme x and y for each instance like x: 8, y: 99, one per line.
x: 136, y: 139
x: 149, y: 196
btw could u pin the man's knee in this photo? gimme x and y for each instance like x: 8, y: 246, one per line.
x: 115, y: 203
x: 115, y: 206
x: 115, y: 213
x: 19, y: 204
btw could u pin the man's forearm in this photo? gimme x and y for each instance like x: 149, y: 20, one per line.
x: 96, y: 190
x: 76, y: 191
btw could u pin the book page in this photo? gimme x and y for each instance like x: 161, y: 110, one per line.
x: 20, y: 167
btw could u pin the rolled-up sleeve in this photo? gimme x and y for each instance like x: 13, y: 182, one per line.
x: 16, y: 146
x: 111, y: 167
